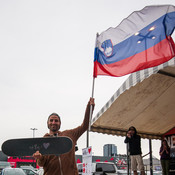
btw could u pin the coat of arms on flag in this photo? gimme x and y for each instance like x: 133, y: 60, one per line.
x: 107, y: 48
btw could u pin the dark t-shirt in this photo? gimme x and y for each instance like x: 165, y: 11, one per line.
x: 134, y: 144
x: 165, y: 156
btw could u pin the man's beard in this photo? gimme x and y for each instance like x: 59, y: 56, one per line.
x: 54, y: 129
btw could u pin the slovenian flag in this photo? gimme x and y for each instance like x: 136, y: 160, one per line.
x: 141, y: 41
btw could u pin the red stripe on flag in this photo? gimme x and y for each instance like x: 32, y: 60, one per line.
x: 160, y: 53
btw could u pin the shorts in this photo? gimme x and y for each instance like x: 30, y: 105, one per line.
x: 137, y: 163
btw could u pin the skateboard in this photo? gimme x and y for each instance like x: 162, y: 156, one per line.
x: 45, y: 145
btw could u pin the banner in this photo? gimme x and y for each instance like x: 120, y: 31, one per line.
x: 87, y: 161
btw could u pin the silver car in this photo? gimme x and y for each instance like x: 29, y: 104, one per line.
x: 12, y: 171
x: 100, y: 168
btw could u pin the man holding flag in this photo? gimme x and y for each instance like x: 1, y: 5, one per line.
x: 64, y: 164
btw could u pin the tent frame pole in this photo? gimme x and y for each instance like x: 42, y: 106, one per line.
x: 151, y: 158
x: 128, y: 158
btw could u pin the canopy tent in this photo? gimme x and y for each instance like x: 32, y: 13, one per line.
x: 146, y: 100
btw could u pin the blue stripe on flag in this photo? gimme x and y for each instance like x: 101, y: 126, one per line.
x: 135, y: 44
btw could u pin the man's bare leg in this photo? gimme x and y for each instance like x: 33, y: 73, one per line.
x: 142, y: 172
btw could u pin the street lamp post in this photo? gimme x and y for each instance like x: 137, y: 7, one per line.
x: 34, y: 161
x: 34, y: 129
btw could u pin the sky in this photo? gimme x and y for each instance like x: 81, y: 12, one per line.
x: 46, y: 65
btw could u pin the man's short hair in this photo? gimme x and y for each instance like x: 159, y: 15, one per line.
x: 55, y: 115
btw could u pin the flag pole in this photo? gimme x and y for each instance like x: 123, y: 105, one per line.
x: 92, y: 96
x: 90, y: 114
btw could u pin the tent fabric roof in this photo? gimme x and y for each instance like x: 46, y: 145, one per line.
x: 145, y: 100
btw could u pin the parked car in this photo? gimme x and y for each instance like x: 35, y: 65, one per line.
x: 12, y: 171
x: 100, y: 168
x: 4, y: 164
x: 154, y: 172
x: 29, y: 171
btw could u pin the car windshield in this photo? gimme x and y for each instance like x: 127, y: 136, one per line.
x: 108, y: 168
x: 29, y: 172
x: 13, y: 172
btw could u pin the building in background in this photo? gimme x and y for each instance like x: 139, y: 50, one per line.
x: 3, y: 157
x: 17, y: 162
x: 109, y: 150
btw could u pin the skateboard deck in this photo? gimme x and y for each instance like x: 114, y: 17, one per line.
x: 45, y: 145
